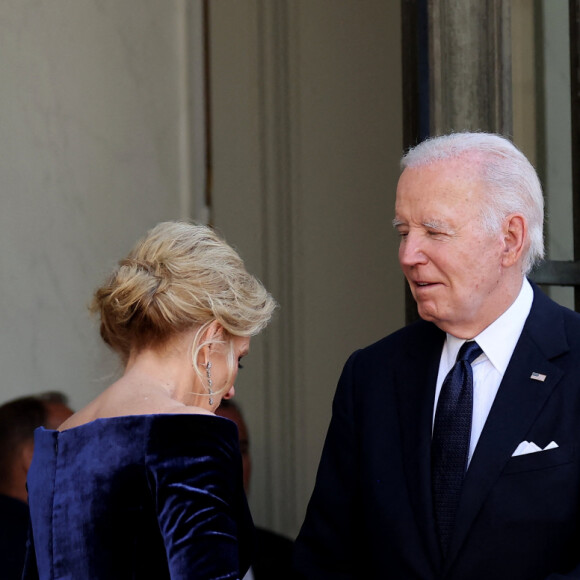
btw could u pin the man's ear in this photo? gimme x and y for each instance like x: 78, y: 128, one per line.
x: 515, y: 237
x: 25, y: 454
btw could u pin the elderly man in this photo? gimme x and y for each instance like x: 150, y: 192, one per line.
x: 452, y: 451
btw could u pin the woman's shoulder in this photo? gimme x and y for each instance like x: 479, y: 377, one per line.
x: 148, y: 421
x: 153, y: 431
x: 153, y: 437
x: 192, y: 431
x: 124, y: 405
x: 188, y: 418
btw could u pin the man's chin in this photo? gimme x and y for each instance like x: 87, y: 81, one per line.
x: 426, y: 313
x: 429, y: 315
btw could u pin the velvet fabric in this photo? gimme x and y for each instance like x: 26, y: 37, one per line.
x: 146, y: 496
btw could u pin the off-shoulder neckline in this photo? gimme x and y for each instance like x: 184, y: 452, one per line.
x: 143, y: 416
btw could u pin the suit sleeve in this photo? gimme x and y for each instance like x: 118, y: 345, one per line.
x: 326, y: 547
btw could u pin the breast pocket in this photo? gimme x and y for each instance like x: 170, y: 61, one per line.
x: 540, y: 460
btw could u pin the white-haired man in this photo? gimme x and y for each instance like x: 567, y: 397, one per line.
x: 452, y: 450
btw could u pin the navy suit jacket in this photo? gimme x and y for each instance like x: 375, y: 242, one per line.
x: 518, y: 518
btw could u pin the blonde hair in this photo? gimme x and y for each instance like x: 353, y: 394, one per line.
x: 180, y: 276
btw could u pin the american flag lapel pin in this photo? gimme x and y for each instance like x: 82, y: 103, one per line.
x: 538, y: 377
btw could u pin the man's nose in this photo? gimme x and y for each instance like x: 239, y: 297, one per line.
x: 411, y: 250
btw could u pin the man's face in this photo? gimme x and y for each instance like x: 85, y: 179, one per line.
x: 453, y: 266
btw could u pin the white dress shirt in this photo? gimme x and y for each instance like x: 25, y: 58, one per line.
x: 498, y: 342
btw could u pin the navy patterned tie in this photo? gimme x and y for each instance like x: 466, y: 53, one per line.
x: 451, y: 437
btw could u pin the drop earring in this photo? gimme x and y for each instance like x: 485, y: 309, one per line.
x: 209, y: 381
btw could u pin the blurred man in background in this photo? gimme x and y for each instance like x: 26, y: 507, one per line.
x: 18, y: 420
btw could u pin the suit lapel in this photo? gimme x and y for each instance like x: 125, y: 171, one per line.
x: 416, y: 394
x: 518, y: 402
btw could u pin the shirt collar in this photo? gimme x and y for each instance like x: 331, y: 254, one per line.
x: 499, y: 339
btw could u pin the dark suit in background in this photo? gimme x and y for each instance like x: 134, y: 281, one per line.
x: 14, y: 519
x: 273, y: 557
x: 371, y: 514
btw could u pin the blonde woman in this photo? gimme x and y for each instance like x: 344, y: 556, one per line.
x: 145, y: 481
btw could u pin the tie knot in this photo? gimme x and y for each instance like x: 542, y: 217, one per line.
x: 469, y: 351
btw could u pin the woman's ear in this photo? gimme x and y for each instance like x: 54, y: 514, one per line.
x: 212, y: 335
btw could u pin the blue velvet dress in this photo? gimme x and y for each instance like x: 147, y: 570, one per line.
x: 139, y: 497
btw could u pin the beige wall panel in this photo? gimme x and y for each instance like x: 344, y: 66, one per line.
x: 307, y: 133
x: 351, y: 142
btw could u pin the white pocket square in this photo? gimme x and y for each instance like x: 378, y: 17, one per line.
x: 526, y: 447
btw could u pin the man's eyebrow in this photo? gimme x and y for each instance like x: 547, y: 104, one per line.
x: 439, y: 225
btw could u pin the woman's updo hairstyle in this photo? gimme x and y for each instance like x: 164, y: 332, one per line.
x: 178, y: 277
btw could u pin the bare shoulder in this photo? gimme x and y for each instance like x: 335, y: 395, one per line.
x: 125, y: 398
x: 84, y: 415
